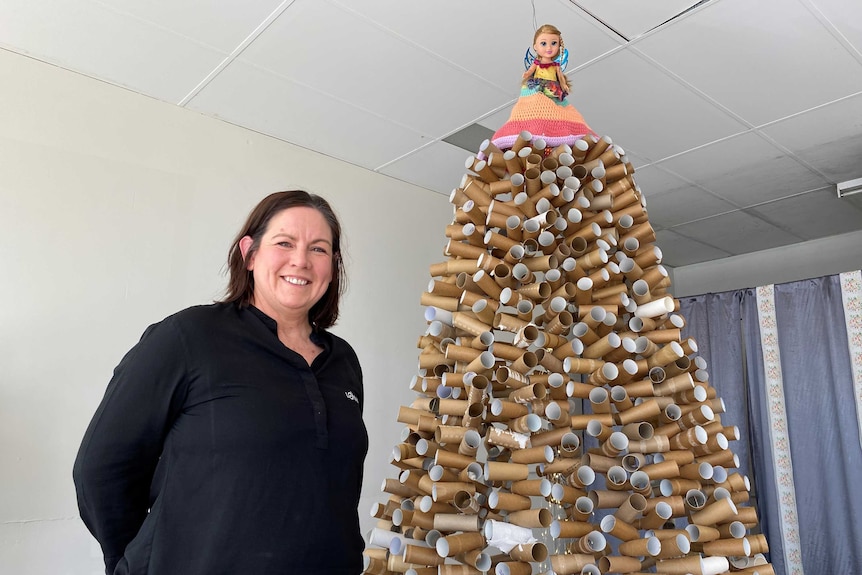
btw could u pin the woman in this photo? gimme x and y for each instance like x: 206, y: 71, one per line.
x: 230, y: 439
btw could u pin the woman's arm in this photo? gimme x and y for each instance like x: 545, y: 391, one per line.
x: 114, y: 468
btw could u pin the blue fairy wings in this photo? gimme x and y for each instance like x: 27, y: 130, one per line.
x: 562, y: 59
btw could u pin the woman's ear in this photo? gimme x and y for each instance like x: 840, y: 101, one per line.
x: 245, y: 244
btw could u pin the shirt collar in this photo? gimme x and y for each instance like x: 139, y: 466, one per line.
x: 272, y: 325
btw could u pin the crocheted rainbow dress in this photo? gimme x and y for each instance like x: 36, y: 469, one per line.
x: 542, y: 110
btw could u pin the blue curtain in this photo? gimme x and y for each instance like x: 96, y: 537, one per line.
x: 820, y: 408
x: 822, y: 424
x: 714, y: 322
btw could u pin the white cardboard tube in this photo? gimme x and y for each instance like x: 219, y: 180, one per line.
x: 656, y: 307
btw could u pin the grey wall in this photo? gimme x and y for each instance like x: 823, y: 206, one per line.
x: 117, y: 210
x: 810, y: 259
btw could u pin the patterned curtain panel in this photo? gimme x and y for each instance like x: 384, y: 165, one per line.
x: 787, y: 359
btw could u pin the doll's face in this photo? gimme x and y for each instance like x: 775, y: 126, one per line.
x: 547, y: 46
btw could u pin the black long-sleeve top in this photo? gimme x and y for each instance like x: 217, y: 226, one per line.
x: 218, y: 450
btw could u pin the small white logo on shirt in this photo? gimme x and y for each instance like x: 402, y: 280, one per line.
x: 350, y: 395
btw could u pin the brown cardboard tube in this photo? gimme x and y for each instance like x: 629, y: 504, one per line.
x: 594, y: 542
x: 508, y: 409
x: 531, y: 517
x: 529, y: 393
x: 502, y: 471
x: 529, y: 552
x: 681, y: 566
x: 667, y: 354
x: 469, y: 323
x: 648, y: 547
x: 514, y: 568
x: 716, y: 512
x: 623, y: 531
x: 461, y: 353
x: 675, y: 384
x: 526, y: 362
x: 563, y: 465
x: 529, y: 423
x: 608, y: 499
x: 662, y: 470
x: 571, y: 563
x: 553, y: 437
x: 728, y: 547
x: 618, y: 564
x: 702, y: 533
x: 680, y: 457
x: 656, y: 517
x: 470, y: 443
x: 676, y: 545
x: 452, y: 545
x: 676, y: 503
x: 641, y: 388
x: 584, y: 365
x: 419, y: 555
x: 538, y: 454
x: 511, y: 378
x: 502, y: 500
x: 603, y: 346
x: 449, y: 522
x: 567, y: 529
x: 451, y: 459
x: 758, y: 543
x: 507, y: 438
x: 580, y: 421
x: 466, y: 502
x: 631, y: 508
x: 532, y: 487
x: 642, y: 412
x: 637, y: 431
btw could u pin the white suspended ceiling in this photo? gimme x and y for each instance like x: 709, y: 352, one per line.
x: 739, y: 117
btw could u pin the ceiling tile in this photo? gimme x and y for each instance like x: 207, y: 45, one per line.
x: 438, y: 167
x: 376, y: 70
x: 475, y: 32
x: 665, y: 117
x: 631, y: 19
x: 813, y: 215
x: 844, y: 16
x: 91, y: 38
x: 222, y: 25
x: 737, y: 233
x: 251, y: 97
x: 744, y: 170
x: 653, y: 180
x: 678, y: 250
x: 762, y: 60
x: 496, y: 120
x: 684, y: 205
x: 828, y: 138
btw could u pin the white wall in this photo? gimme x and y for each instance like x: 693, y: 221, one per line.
x: 117, y: 210
x: 810, y: 259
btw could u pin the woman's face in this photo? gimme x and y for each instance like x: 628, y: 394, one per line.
x: 547, y: 46
x: 292, y: 267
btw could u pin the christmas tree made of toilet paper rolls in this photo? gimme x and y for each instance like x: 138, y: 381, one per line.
x: 561, y: 423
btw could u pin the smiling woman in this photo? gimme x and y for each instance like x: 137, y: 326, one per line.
x: 230, y: 439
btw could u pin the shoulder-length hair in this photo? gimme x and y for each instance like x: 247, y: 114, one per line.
x: 240, y: 288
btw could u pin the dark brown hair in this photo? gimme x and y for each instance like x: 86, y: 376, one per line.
x: 240, y: 288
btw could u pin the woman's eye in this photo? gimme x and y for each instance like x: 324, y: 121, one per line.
x: 319, y: 250
x: 285, y: 244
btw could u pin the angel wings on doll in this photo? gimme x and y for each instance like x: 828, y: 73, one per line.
x: 542, y: 109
